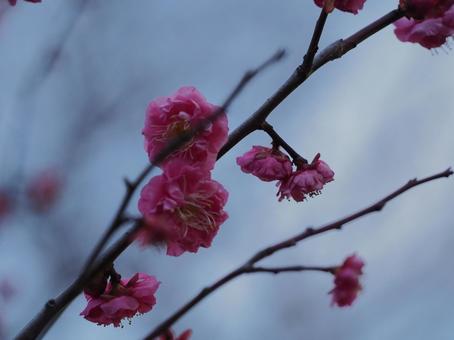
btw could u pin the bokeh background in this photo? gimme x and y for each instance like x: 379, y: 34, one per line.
x: 75, y: 79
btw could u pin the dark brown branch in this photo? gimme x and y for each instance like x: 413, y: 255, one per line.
x: 279, y: 141
x: 376, y: 207
x: 299, y: 76
x: 53, y: 308
x: 305, y: 68
x: 289, y: 269
x: 210, y: 289
x: 249, y: 266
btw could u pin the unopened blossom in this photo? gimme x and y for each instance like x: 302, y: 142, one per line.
x: 122, y: 300
x: 268, y: 164
x: 306, y: 181
x: 183, y: 208
x: 346, y: 281
x: 44, y: 189
x: 169, y: 117
x: 352, y: 6
x: 424, y: 9
x: 169, y: 335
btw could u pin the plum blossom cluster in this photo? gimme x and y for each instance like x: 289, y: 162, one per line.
x: 271, y: 164
x: 121, y: 299
x: 352, y: 6
x: 429, y: 23
x: 183, y: 207
x: 346, y: 281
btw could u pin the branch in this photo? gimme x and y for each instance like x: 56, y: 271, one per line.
x: 278, y: 270
x: 38, y: 326
x: 279, y: 141
x: 299, y: 76
x: 376, y: 207
x: 249, y: 266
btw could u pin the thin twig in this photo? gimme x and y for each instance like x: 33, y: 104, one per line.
x: 249, y: 266
x: 37, y: 327
x: 289, y: 269
x: 277, y: 139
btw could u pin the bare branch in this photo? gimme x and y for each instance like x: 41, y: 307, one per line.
x: 278, y: 140
x: 289, y: 269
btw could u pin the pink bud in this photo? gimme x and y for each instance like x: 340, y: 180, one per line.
x: 346, y: 281
x: 123, y: 300
x: 265, y: 163
x: 307, y: 181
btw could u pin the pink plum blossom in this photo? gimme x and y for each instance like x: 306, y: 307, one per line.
x: 308, y: 180
x: 346, y: 281
x: 122, y: 300
x: 424, y: 9
x: 168, y: 117
x: 429, y: 33
x: 44, y: 189
x: 169, y: 335
x: 268, y: 164
x: 183, y: 207
x: 352, y: 6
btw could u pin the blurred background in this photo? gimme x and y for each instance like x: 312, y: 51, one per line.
x: 75, y: 79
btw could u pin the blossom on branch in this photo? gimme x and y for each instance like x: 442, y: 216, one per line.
x: 429, y: 25
x: 352, y: 6
x: 424, y: 9
x: 268, y: 164
x: 308, y: 180
x: 169, y: 335
x: 122, y: 300
x: 346, y: 281
x: 183, y: 208
x: 169, y: 117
